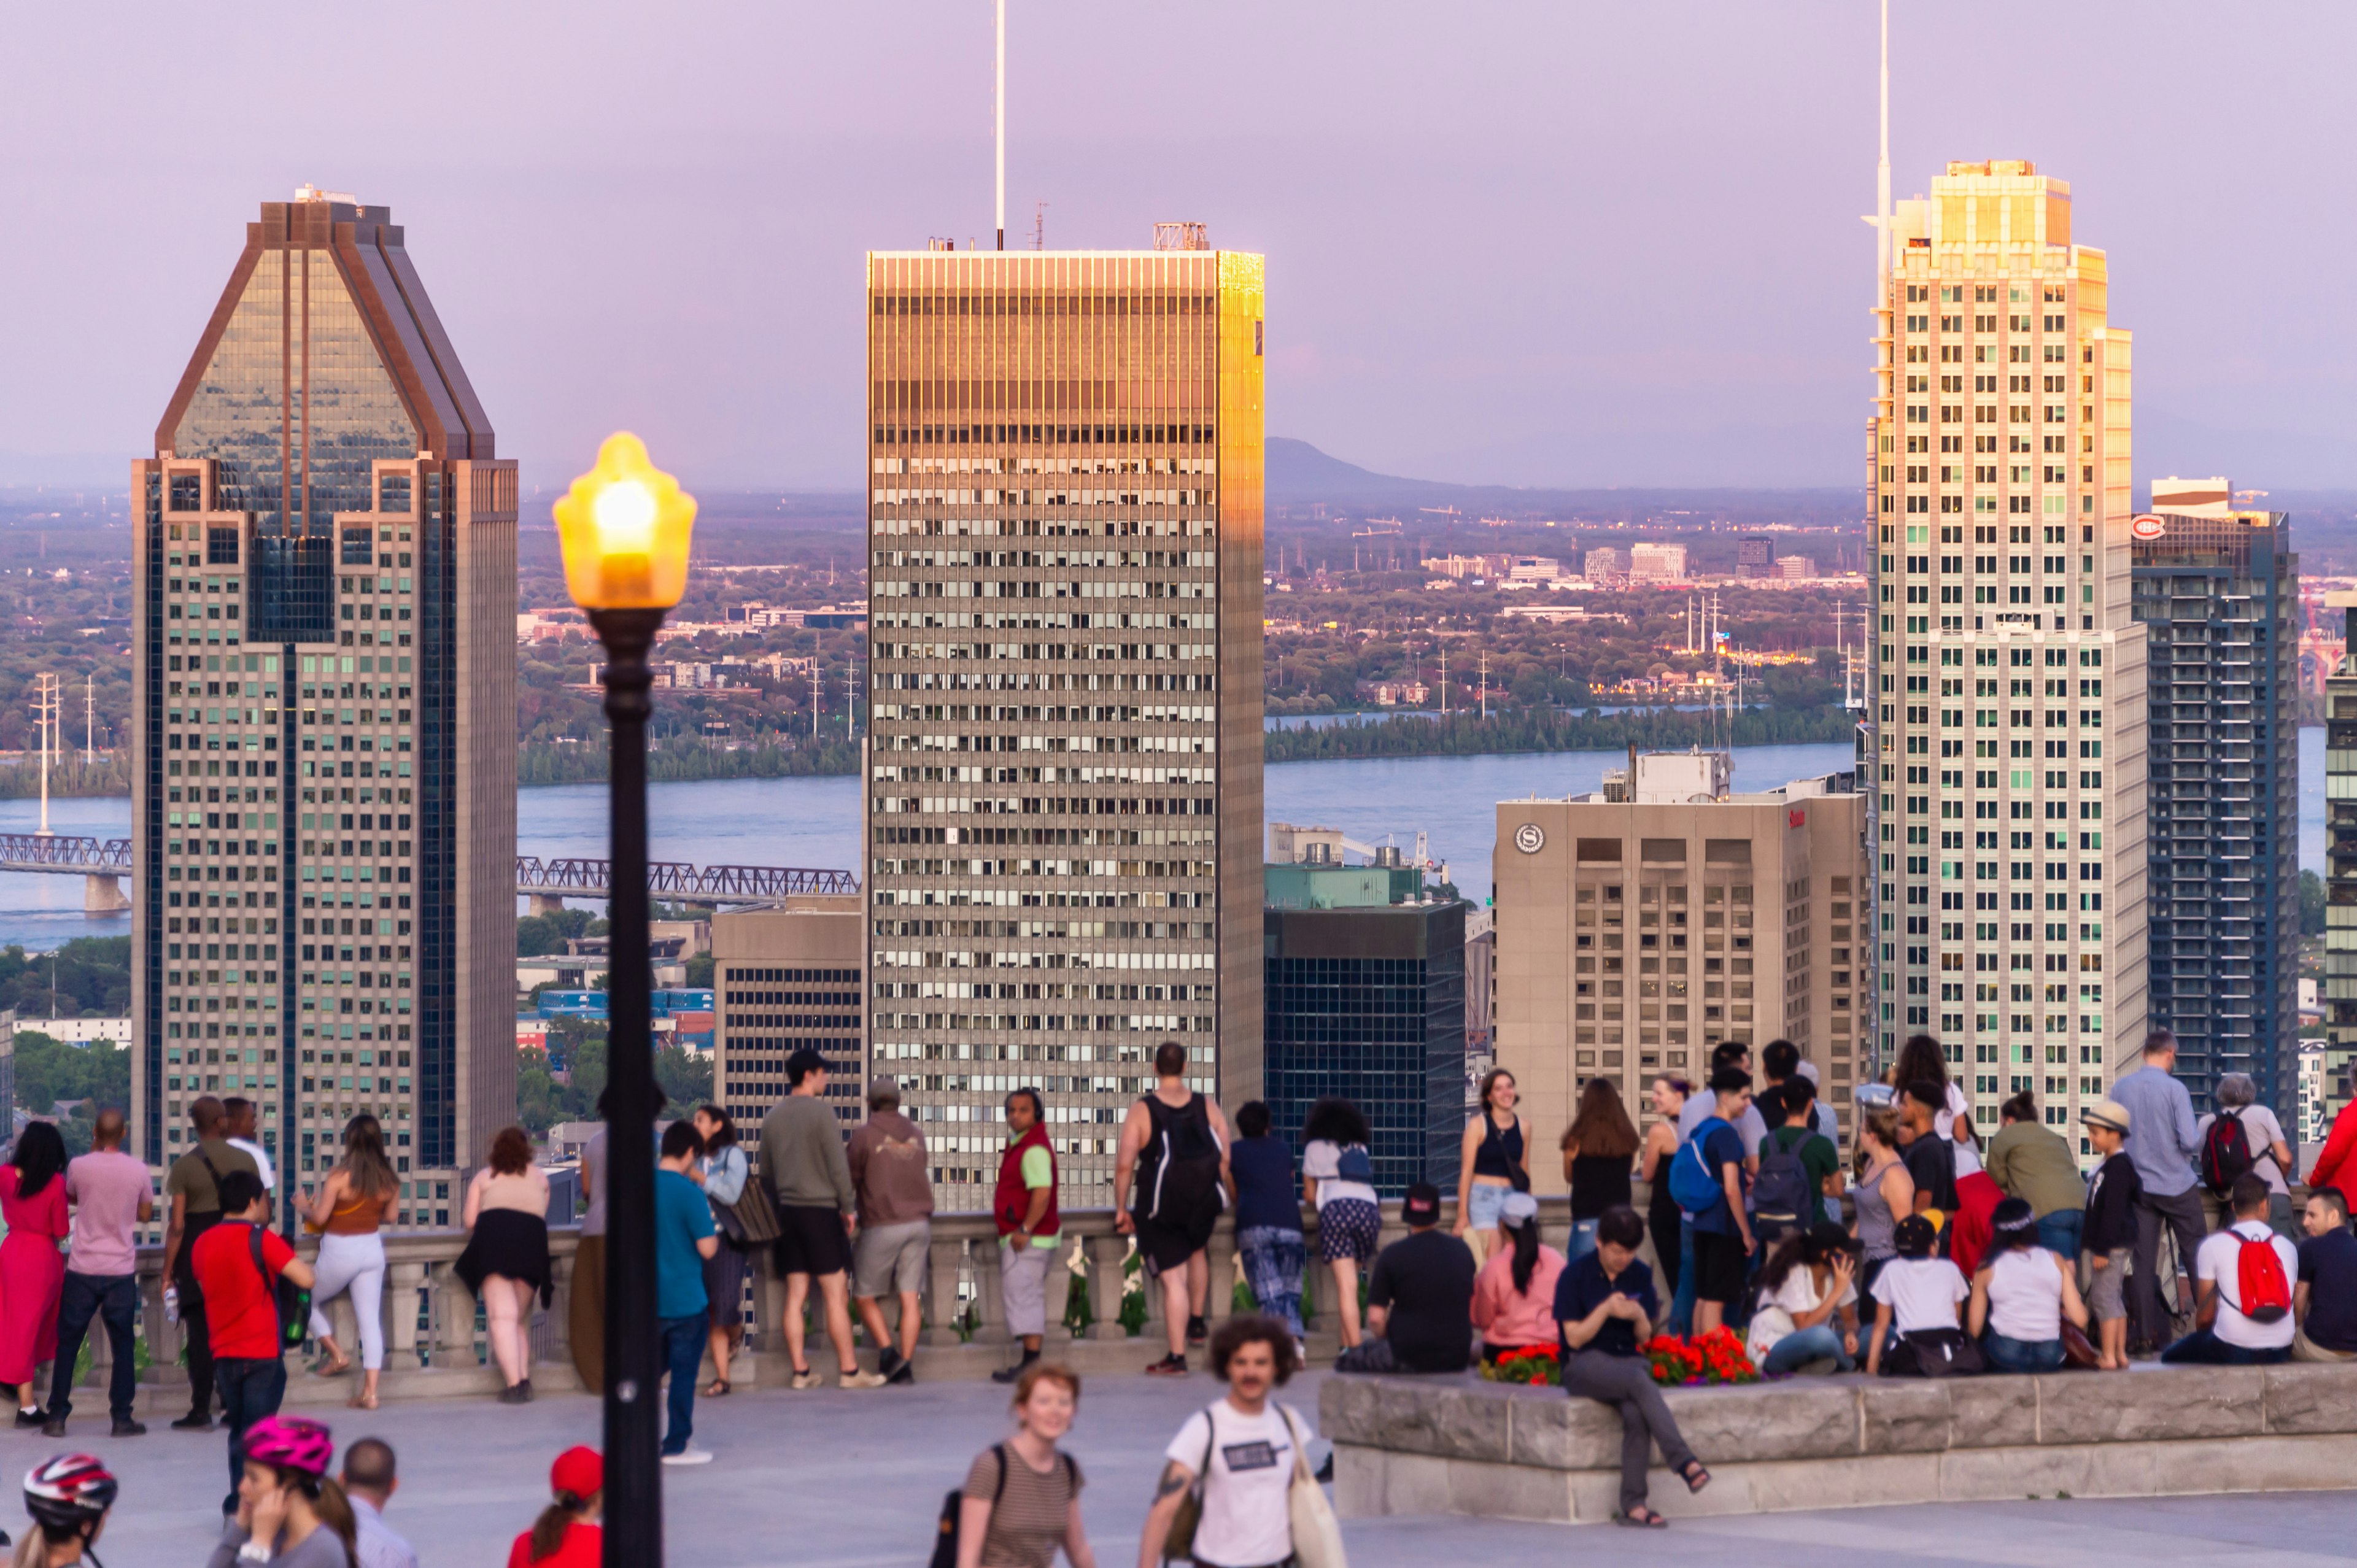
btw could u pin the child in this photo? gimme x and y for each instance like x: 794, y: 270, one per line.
x: 1915, y: 1320
x: 2109, y: 1230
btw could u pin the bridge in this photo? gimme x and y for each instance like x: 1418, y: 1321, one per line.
x: 105, y: 863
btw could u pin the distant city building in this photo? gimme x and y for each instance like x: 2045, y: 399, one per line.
x: 2008, y: 717
x: 786, y: 976
x: 2340, y: 1063
x: 2314, y: 1122
x: 1755, y: 556
x: 79, y: 1031
x: 1460, y: 567
x: 1481, y: 979
x: 1657, y: 564
x: 1065, y: 647
x: 1642, y: 925
x: 1534, y: 569
x: 324, y: 748
x: 2218, y: 592
x: 1795, y: 568
x: 1605, y: 564
x: 1366, y: 999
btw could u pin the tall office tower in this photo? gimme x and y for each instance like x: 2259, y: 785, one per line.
x: 323, y: 779
x: 2218, y: 592
x: 1064, y: 792
x: 2337, y: 1075
x: 1640, y: 926
x: 2008, y: 716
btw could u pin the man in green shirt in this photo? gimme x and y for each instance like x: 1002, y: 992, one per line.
x: 1025, y: 1209
x: 2037, y: 1165
x: 1819, y: 1159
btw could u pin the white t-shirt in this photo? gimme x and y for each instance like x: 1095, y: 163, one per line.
x: 1320, y: 1158
x: 2024, y: 1295
x: 261, y: 1162
x: 1796, y: 1295
x: 1246, y: 1518
x: 2262, y: 1132
x: 2220, y: 1260
x: 1968, y: 1154
x: 1923, y: 1293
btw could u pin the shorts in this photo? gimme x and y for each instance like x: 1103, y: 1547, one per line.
x: 890, y: 1259
x: 1718, y: 1267
x: 1487, y: 1206
x: 2108, y: 1290
x: 1347, y: 1228
x: 1166, y: 1246
x: 811, y: 1240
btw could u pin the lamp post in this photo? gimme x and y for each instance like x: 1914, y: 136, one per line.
x: 624, y: 530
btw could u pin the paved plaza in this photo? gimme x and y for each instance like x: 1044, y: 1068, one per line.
x: 829, y: 1479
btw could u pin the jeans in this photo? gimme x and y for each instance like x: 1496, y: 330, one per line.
x: 2009, y: 1355
x: 1681, y: 1305
x: 1582, y: 1243
x: 2059, y: 1232
x: 251, y: 1389
x: 115, y: 1299
x: 2203, y: 1348
x: 2149, y: 1322
x: 1626, y: 1383
x: 1819, y: 1342
x: 683, y: 1347
x: 1273, y: 1258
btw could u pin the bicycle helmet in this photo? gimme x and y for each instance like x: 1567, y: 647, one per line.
x: 290, y: 1443
x: 70, y: 1489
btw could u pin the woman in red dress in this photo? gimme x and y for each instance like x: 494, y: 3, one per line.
x: 32, y: 1269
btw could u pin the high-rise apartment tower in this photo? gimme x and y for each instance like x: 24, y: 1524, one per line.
x: 2218, y: 592
x: 324, y: 739
x: 1064, y: 769
x: 2007, y: 726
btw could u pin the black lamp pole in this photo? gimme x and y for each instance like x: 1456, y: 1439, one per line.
x: 633, y: 1521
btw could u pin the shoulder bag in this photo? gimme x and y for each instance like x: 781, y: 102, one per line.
x: 1178, y: 1545
x: 1317, y: 1534
x: 751, y: 1221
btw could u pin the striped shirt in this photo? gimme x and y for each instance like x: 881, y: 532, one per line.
x: 1028, y: 1520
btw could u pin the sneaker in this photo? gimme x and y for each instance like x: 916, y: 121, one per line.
x: 1197, y: 1331
x: 860, y: 1380
x: 806, y: 1378
x: 1169, y: 1367
x: 32, y: 1420
x: 905, y: 1373
x: 691, y: 1454
x: 515, y: 1394
x: 55, y: 1427
x: 526, y: 1387
x: 126, y: 1427
x: 196, y: 1421
x: 1015, y: 1373
x: 888, y: 1361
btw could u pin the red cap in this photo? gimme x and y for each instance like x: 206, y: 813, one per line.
x: 578, y: 1472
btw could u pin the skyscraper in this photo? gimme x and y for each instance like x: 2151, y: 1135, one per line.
x: 2008, y: 718
x: 1064, y: 769
x: 2218, y: 592
x: 324, y: 778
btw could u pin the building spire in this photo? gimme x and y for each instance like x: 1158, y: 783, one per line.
x: 1882, y: 174
x: 1001, y: 107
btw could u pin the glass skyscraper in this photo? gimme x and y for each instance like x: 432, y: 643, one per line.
x: 2218, y: 592
x: 324, y: 795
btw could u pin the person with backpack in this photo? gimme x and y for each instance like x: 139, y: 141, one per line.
x: 1021, y: 1499
x: 1799, y: 1168
x: 2165, y: 1148
x: 238, y: 1264
x: 1693, y: 1110
x: 1174, y: 1157
x: 2244, y: 1275
x: 192, y: 1190
x: 2242, y: 1136
x: 1917, y: 1333
x: 1338, y: 1176
x: 1227, y: 1495
x: 1707, y: 1180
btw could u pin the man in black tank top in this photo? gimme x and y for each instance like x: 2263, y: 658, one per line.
x: 1173, y: 1156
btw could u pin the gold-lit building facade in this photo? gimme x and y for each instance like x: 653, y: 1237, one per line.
x: 1063, y: 803
x: 2008, y: 734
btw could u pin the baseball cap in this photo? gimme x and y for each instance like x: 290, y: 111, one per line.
x: 1518, y: 1207
x: 1422, y: 1205
x: 1913, y: 1236
x: 2110, y: 1113
x: 579, y: 1472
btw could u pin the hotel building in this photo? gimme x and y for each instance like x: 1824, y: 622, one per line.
x: 1064, y: 770
x: 324, y: 731
x: 2008, y: 718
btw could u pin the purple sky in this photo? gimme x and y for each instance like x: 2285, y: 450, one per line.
x: 1533, y: 244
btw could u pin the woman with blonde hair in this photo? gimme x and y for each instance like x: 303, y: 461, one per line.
x: 1022, y: 1498
x: 1598, y: 1149
x: 1496, y: 1161
x: 348, y: 1215
x: 506, y: 1260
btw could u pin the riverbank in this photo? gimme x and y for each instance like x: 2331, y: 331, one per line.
x: 1548, y: 729
x: 686, y: 761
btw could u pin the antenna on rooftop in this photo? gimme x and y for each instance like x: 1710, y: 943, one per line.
x: 1882, y: 173
x: 1002, y: 125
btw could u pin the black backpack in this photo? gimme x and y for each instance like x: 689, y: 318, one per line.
x: 1780, y: 1193
x: 2225, y: 1151
x: 294, y: 1301
x: 1185, y: 1164
x: 945, y: 1535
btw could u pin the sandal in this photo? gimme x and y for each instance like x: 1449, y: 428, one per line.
x: 1640, y: 1518
x: 360, y: 1402
x: 719, y: 1388
x: 1695, y: 1476
x: 332, y: 1369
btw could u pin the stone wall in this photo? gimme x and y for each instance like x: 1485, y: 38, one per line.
x: 1463, y: 1445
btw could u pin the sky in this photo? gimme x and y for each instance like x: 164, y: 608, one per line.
x: 1542, y: 243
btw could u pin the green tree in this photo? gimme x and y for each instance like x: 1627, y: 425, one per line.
x: 49, y: 1070
x: 2311, y: 903
x: 699, y: 971
x: 685, y: 1078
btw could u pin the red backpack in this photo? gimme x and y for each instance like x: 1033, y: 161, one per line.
x: 2261, y: 1288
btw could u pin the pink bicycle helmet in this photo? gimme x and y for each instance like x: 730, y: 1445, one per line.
x: 291, y: 1443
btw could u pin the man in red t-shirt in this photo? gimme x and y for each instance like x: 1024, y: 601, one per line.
x: 241, y: 1310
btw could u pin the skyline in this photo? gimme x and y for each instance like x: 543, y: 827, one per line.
x: 1531, y: 348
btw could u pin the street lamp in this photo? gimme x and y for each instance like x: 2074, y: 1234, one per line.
x: 624, y: 530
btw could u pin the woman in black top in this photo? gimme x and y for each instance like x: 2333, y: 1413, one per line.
x: 1598, y: 1148
x: 1495, y: 1163
x: 1662, y: 1216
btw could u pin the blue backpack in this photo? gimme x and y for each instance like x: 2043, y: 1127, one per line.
x: 1694, y: 1186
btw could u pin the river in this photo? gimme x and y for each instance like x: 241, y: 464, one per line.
x: 816, y: 821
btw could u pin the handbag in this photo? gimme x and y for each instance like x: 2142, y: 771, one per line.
x: 2076, y: 1350
x: 750, y: 1221
x: 1316, y: 1533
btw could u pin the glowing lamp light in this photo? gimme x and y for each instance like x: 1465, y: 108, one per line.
x: 624, y: 529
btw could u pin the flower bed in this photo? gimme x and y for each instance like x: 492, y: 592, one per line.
x: 1717, y: 1357
x: 1539, y: 1366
